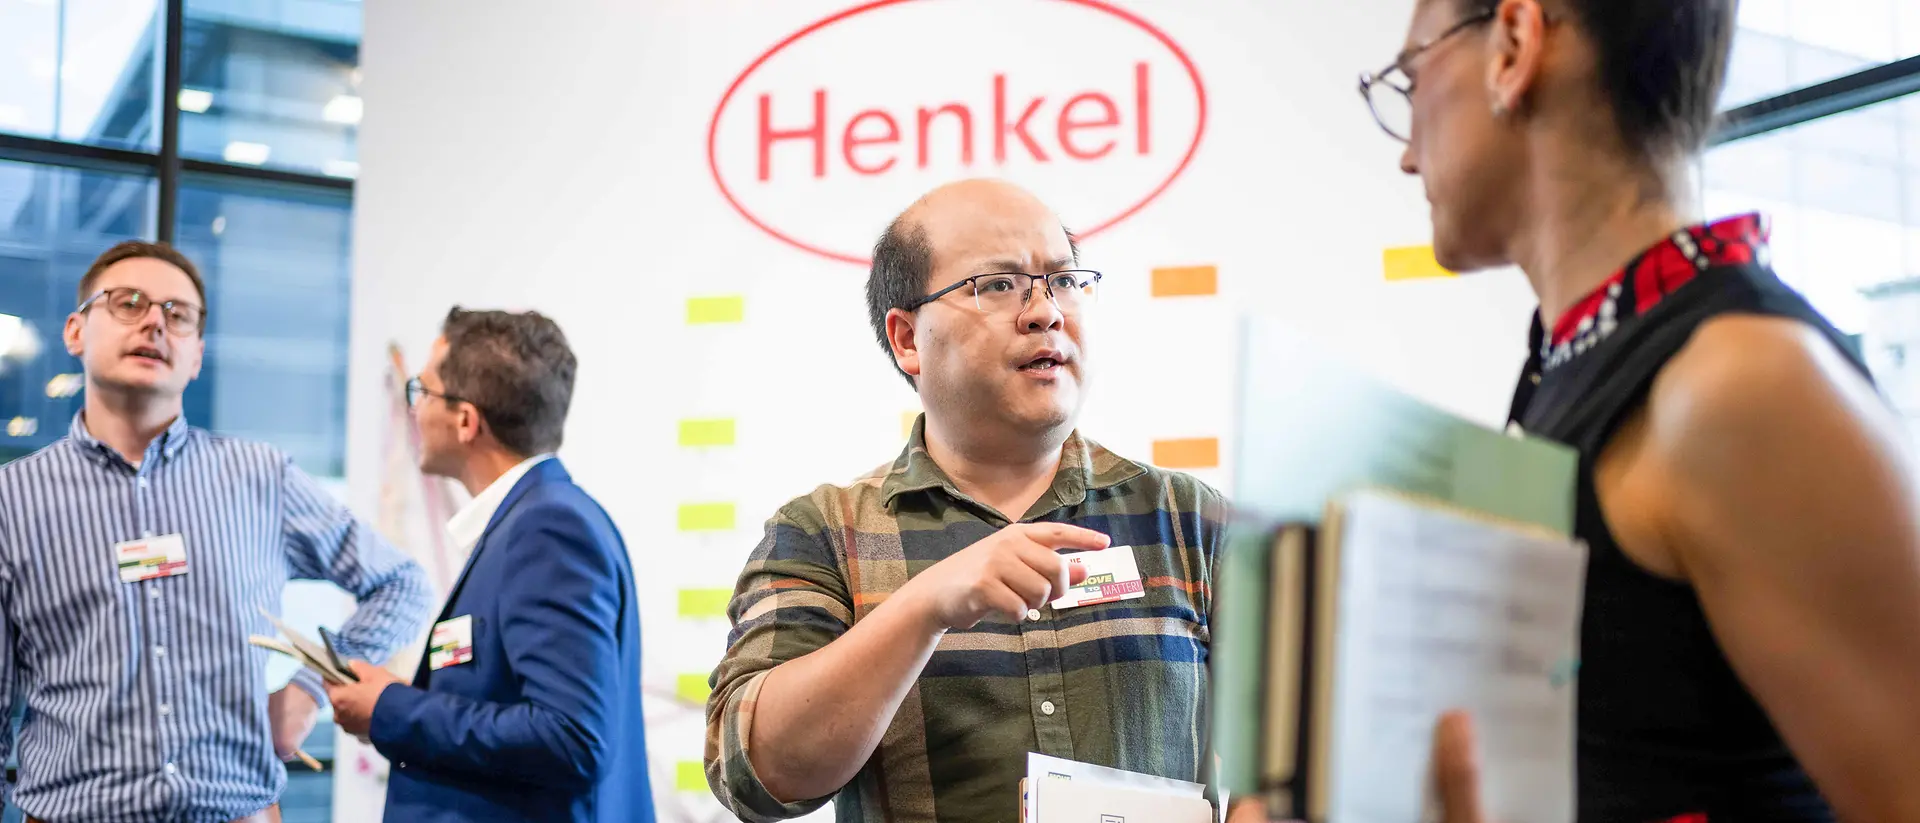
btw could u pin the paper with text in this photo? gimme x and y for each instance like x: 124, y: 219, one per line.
x: 1441, y: 609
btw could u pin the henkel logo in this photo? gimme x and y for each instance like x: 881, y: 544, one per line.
x: 827, y: 135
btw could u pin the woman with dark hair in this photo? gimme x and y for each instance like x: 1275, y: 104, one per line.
x: 1751, y: 641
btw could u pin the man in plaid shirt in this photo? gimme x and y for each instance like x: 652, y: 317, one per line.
x: 894, y: 648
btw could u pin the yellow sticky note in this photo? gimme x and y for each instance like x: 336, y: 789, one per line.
x: 1187, y: 453
x: 706, y: 433
x: 907, y: 419
x: 1186, y: 281
x: 706, y: 517
x: 1413, y: 263
x: 704, y: 602
x: 727, y: 309
x: 692, y: 688
x: 690, y: 776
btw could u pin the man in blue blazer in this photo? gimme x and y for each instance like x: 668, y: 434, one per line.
x: 526, y: 706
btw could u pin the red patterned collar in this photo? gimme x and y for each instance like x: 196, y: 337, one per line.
x: 1656, y: 273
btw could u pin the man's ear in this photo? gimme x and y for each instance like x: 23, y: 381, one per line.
x: 71, y: 334
x: 900, y: 336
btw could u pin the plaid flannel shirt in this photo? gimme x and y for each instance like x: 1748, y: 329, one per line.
x: 1120, y: 684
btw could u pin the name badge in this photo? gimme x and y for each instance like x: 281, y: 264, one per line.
x: 1112, y: 575
x: 451, y: 643
x: 151, y: 558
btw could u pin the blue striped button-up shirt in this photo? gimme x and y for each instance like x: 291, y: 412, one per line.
x: 144, y: 700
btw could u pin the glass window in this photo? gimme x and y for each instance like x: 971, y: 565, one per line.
x: 53, y: 222
x: 81, y: 71
x: 1844, y: 195
x: 272, y: 83
x: 1782, y: 45
x: 276, y: 262
x: 1841, y: 191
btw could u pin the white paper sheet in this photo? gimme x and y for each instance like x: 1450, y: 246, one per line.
x: 1042, y: 767
x: 1440, y: 611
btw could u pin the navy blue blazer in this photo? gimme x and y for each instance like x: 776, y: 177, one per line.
x: 544, y: 723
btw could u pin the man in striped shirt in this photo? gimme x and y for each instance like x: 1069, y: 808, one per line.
x: 896, y: 647
x: 136, y: 555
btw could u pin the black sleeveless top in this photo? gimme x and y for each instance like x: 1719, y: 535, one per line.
x: 1667, y: 732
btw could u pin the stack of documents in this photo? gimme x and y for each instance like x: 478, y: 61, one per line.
x: 318, y: 656
x: 1389, y: 562
x: 1068, y: 791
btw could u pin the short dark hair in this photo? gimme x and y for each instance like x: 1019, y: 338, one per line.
x: 902, y: 265
x: 517, y: 369
x: 134, y: 250
x: 1661, y: 65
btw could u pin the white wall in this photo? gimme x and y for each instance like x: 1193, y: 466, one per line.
x: 554, y: 156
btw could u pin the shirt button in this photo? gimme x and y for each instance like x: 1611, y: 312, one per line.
x: 1033, y: 614
x: 143, y: 482
x: 166, y: 709
x: 172, y: 769
x: 1046, y: 708
x: 153, y: 594
x: 159, y: 651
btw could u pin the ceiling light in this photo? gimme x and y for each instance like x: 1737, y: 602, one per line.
x: 11, y: 333
x: 65, y: 385
x: 196, y: 101
x: 345, y: 109
x: 342, y: 168
x: 22, y: 427
x: 247, y: 154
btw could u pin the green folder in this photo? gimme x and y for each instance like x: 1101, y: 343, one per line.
x: 1311, y: 428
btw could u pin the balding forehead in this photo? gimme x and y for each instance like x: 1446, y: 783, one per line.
x: 995, y: 238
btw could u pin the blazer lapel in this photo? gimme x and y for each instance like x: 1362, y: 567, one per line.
x: 547, y: 471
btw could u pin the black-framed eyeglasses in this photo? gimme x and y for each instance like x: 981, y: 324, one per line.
x: 417, y: 390
x: 1008, y: 292
x: 130, y: 305
x: 1394, y: 112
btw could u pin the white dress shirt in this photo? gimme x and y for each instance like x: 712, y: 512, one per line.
x: 470, y: 523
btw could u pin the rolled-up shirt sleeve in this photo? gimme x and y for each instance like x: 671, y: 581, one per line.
x: 324, y: 541
x: 791, y: 599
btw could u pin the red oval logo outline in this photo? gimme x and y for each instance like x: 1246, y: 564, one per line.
x: 713, y: 125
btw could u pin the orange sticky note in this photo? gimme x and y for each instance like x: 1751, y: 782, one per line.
x: 1412, y: 263
x: 1188, y: 453
x: 1186, y: 281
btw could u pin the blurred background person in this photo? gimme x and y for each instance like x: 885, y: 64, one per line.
x: 527, y: 703
x: 136, y: 554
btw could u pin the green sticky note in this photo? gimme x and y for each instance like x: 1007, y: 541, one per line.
x: 728, y: 309
x: 690, y: 776
x: 698, y: 433
x: 692, y: 688
x: 704, y: 603
x: 706, y: 517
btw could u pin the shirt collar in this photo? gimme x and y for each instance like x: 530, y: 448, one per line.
x: 470, y: 523
x: 1640, y: 285
x: 167, y: 445
x: 1084, y: 466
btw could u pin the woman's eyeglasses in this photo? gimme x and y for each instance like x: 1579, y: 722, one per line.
x: 1389, y: 91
